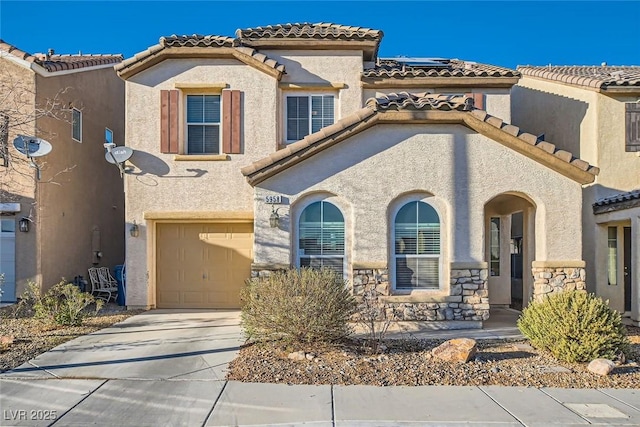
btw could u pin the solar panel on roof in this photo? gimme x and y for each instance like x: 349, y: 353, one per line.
x: 419, y: 62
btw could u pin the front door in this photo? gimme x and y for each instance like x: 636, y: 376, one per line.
x: 627, y: 268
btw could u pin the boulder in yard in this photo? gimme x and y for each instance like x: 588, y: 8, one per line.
x: 298, y: 355
x: 601, y: 366
x: 456, y: 350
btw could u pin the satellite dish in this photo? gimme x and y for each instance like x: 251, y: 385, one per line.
x: 118, y: 155
x: 32, y: 146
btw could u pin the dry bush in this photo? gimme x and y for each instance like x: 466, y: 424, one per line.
x: 305, y: 305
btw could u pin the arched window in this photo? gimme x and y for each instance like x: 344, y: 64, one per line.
x: 417, y: 247
x: 321, y: 237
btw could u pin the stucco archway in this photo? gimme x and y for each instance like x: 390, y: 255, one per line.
x: 509, y: 221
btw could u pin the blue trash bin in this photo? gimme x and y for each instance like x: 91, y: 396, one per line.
x: 120, y: 278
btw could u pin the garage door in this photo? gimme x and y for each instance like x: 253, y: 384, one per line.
x: 202, y: 265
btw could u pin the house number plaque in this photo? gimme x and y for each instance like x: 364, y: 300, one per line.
x: 275, y: 200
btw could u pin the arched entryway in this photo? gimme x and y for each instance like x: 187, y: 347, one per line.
x: 510, y: 249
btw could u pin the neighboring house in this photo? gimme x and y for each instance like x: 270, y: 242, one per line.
x: 594, y: 112
x: 295, y: 145
x: 75, y: 210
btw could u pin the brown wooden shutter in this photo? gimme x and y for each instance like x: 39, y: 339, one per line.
x: 632, y: 126
x: 478, y: 100
x: 231, y: 122
x: 169, y: 123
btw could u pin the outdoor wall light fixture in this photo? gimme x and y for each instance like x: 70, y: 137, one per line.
x: 274, y: 218
x: 134, y: 230
x: 23, y: 224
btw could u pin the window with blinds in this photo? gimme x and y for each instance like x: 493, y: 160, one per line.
x: 308, y: 114
x: 417, y: 247
x: 203, y: 124
x: 321, y: 237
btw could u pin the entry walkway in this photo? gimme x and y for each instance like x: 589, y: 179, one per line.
x: 168, y: 368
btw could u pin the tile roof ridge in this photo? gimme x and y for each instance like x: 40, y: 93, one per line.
x: 308, y: 30
x: 599, y: 77
x: 420, y: 101
x: 15, y: 51
x: 617, y: 198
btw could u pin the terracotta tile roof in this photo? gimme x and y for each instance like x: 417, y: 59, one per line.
x: 595, y: 77
x: 306, y: 30
x: 392, y: 68
x: 452, y: 109
x: 630, y: 199
x: 53, y: 63
x: 421, y: 101
x: 198, y: 41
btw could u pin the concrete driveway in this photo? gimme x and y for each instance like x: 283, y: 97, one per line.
x: 158, y: 344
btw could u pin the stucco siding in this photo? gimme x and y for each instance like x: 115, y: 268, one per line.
x: 159, y: 182
x: 461, y: 169
x: 83, y: 214
x: 17, y: 182
x: 591, y: 126
x: 566, y: 115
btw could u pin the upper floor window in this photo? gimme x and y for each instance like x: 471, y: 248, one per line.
x: 417, y: 247
x: 108, y: 136
x: 203, y: 124
x: 76, y: 124
x: 307, y: 114
x: 632, y: 126
x: 321, y: 237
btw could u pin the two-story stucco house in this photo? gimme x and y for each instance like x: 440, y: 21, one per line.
x: 594, y: 112
x: 296, y: 145
x: 68, y: 214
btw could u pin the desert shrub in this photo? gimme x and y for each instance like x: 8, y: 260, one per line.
x: 305, y: 305
x: 575, y: 327
x: 63, y: 304
x: 369, y: 316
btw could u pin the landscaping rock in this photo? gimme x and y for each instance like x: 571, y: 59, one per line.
x: 456, y: 350
x: 601, y: 366
x: 297, y: 355
x: 6, y: 339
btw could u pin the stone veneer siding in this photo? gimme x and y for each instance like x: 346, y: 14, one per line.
x: 551, y: 280
x: 468, y: 297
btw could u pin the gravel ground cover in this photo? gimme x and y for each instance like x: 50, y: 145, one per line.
x: 409, y: 363
x: 403, y: 362
x: 33, y: 337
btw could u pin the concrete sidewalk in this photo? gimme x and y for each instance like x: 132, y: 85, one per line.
x: 69, y: 402
x: 168, y: 367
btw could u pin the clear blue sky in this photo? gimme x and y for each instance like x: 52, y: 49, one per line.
x: 506, y: 33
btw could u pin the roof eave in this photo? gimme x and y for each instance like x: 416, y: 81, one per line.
x: 369, y: 47
x: 621, y: 90
x: 128, y: 70
x: 618, y: 206
x: 421, y: 82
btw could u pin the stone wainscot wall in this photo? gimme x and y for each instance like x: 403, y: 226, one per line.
x: 554, y: 277
x: 468, y: 297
